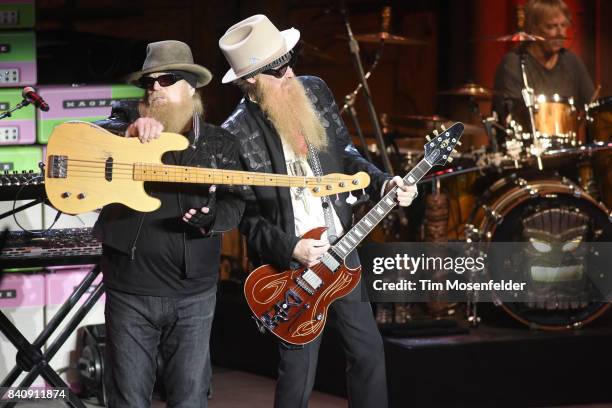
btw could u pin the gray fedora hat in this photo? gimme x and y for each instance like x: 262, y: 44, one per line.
x: 170, y: 55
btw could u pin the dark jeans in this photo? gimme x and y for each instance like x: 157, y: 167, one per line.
x: 137, y: 328
x: 363, y: 347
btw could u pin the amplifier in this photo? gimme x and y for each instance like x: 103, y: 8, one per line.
x: 79, y: 102
x: 17, y: 58
x: 17, y: 14
x: 22, y: 299
x: 20, y: 127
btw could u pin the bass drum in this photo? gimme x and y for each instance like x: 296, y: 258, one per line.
x: 525, y: 209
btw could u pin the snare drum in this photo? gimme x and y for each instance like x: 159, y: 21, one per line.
x: 599, y: 119
x: 517, y: 209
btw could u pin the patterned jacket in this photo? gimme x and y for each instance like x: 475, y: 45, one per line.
x: 268, y: 220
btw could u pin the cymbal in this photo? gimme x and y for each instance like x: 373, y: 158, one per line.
x: 470, y: 89
x: 386, y: 38
x: 310, y: 51
x: 410, y: 125
x: 519, y: 36
x: 417, y: 126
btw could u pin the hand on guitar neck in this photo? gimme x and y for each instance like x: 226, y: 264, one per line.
x: 309, y: 252
x: 145, y: 129
x: 405, y: 193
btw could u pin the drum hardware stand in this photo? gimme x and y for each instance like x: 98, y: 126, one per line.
x: 528, y: 97
x: 490, y: 125
x: 354, y: 49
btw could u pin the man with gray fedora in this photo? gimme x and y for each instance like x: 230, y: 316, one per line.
x: 291, y: 125
x: 160, y: 268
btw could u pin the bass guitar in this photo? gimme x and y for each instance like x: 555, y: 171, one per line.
x: 293, y: 304
x: 87, y: 167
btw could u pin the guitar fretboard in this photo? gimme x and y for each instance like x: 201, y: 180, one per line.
x: 355, y: 235
x: 178, y: 174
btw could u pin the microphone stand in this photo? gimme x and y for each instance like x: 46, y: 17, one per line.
x: 354, y: 49
x: 20, y: 105
x: 349, y: 105
x: 528, y: 97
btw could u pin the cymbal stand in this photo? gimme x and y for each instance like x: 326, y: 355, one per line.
x: 349, y: 104
x: 528, y: 97
x: 354, y: 49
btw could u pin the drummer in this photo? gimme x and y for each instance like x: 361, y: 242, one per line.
x: 551, y: 69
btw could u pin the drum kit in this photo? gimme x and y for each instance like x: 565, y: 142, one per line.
x: 556, y: 168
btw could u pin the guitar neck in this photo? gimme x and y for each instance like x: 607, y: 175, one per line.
x: 355, y: 235
x: 198, y: 175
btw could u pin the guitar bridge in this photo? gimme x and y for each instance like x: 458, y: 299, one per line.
x: 280, y: 312
x: 58, y: 166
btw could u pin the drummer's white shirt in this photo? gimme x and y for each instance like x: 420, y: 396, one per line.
x: 307, y: 209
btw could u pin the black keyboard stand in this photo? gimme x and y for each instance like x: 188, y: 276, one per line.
x: 31, y: 359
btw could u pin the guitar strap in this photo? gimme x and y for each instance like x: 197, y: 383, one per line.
x: 315, y: 165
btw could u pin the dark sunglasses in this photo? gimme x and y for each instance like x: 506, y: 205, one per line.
x: 280, y: 71
x: 147, y: 82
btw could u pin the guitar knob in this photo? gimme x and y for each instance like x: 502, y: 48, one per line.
x: 316, y: 189
x: 65, y: 194
x: 341, y: 184
x: 329, y: 187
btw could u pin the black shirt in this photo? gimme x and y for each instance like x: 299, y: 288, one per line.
x: 568, y: 78
x: 159, y: 267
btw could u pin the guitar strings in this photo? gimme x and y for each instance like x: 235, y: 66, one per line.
x: 169, y: 170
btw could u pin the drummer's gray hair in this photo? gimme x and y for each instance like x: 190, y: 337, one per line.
x: 536, y: 10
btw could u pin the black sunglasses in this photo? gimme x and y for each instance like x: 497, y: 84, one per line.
x: 147, y: 82
x: 280, y: 71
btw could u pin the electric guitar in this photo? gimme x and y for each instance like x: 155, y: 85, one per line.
x: 293, y: 304
x: 87, y: 167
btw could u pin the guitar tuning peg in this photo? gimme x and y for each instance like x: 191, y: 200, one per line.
x: 443, y: 127
x: 428, y: 138
x: 435, y: 132
x: 458, y: 143
x: 351, y: 199
x: 337, y: 201
x: 365, y: 196
x: 450, y: 159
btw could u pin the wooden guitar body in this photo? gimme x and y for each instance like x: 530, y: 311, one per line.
x: 283, y: 304
x: 88, y: 184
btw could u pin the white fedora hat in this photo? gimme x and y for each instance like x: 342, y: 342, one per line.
x: 255, y: 43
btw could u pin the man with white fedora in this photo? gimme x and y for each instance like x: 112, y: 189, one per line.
x: 291, y: 125
x: 160, y: 268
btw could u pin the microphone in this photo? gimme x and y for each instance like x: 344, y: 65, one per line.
x: 30, y: 95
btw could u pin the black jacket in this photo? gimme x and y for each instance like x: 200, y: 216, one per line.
x: 118, y: 226
x: 268, y: 220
